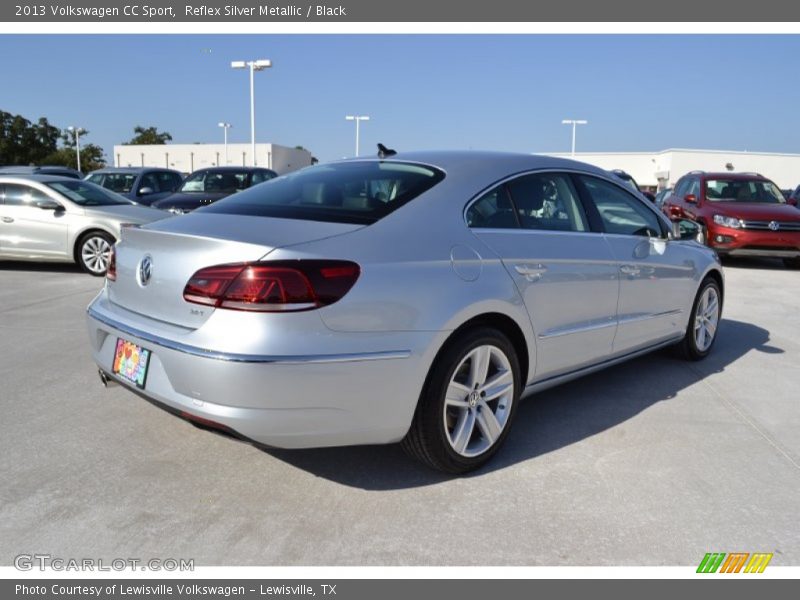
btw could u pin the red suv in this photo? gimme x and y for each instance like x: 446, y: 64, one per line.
x: 739, y: 214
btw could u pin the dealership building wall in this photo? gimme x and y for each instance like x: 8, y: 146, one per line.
x: 662, y: 169
x: 190, y: 157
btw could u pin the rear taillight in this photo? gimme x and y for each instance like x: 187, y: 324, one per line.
x: 111, y: 270
x: 275, y: 286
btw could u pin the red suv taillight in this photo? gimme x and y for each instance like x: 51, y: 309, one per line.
x: 111, y: 271
x: 275, y: 286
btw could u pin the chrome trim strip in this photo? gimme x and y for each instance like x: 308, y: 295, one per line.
x: 244, y: 358
x: 552, y: 333
x: 645, y: 317
x: 538, y: 386
x: 558, y: 332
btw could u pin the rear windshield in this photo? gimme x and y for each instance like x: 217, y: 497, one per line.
x: 121, y: 183
x: 86, y: 194
x: 346, y: 192
x: 743, y: 190
x: 216, y: 181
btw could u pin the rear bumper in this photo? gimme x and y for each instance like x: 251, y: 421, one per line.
x: 286, y: 401
x: 737, y: 242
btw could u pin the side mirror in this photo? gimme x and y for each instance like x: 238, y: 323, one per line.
x: 685, y: 230
x: 690, y: 198
x: 792, y: 201
x: 48, y: 205
x: 145, y: 191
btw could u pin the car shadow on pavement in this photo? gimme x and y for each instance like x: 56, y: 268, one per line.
x: 549, y: 420
x: 759, y: 263
x: 39, y: 267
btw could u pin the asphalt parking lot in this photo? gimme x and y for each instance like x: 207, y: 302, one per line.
x: 654, y: 462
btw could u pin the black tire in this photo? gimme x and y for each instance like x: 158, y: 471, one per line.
x: 88, y: 255
x: 688, y: 347
x: 791, y: 263
x: 428, y: 438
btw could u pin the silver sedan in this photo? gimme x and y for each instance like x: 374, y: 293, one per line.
x: 59, y: 219
x: 412, y: 298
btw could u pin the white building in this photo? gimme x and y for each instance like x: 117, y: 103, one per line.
x: 190, y: 157
x: 662, y: 169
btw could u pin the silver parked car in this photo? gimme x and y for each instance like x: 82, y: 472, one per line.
x: 60, y: 219
x: 414, y: 298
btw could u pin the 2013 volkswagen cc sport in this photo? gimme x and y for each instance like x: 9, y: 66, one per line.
x: 409, y: 298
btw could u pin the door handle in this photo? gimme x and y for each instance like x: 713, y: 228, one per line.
x: 531, y: 272
x: 630, y: 270
x: 8, y: 220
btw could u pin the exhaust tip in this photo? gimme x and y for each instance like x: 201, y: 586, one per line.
x: 105, y: 379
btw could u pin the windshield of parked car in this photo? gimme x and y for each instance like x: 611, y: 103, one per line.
x: 121, y: 183
x: 85, y: 193
x: 213, y: 181
x: 743, y: 190
x: 348, y: 192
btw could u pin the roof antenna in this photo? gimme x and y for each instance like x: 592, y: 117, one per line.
x: 384, y: 152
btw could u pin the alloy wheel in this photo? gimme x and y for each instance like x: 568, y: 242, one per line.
x: 95, y: 252
x: 478, y: 401
x: 706, y: 319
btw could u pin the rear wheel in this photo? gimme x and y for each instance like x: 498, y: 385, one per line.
x: 468, y: 403
x: 792, y: 263
x: 701, y: 333
x: 93, y: 253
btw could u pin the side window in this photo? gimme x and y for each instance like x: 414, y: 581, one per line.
x: 261, y: 177
x: 493, y: 210
x: 167, y: 181
x: 121, y: 183
x: 96, y: 178
x: 548, y: 201
x: 621, y: 212
x: 694, y: 188
x: 22, y: 195
x: 149, y: 181
x: 680, y: 188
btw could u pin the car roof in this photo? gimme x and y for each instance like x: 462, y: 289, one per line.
x: 8, y: 177
x: 488, y: 164
x: 131, y: 170
x: 231, y: 169
x: 729, y: 175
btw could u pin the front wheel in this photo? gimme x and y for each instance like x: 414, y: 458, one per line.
x: 701, y: 333
x: 94, y: 250
x: 468, y: 403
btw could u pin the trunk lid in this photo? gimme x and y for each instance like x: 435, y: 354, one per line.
x: 179, y: 247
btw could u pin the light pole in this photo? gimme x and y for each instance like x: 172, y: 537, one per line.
x: 77, y: 131
x: 357, y: 119
x: 255, y: 65
x: 574, y: 123
x: 225, y: 127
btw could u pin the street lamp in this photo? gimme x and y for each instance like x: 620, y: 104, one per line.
x: 255, y: 65
x: 357, y: 119
x: 77, y: 131
x: 225, y: 127
x: 574, y: 123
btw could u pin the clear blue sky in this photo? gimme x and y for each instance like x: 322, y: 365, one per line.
x: 499, y: 92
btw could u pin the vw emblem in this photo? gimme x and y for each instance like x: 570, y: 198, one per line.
x: 774, y: 226
x: 145, y: 270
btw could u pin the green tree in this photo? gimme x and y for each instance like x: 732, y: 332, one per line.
x: 149, y: 135
x: 91, y: 154
x: 25, y: 143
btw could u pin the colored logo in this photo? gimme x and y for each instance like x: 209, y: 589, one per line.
x: 735, y: 562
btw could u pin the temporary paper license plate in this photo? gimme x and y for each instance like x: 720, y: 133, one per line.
x: 130, y: 362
